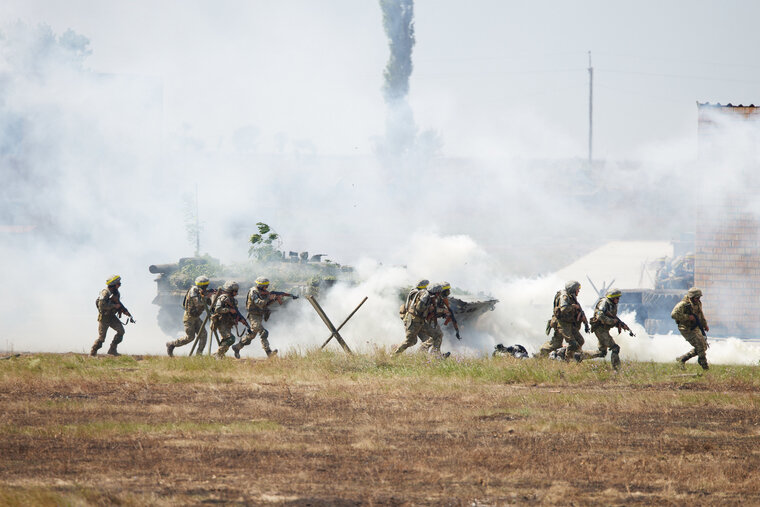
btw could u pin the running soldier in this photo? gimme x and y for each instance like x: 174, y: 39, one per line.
x: 604, y: 319
x: 258, y: 300
x: 442, y: 310
x: 693, y: 326
x: 109, y: 310
x: 197, y: 299
x: 225, y: 316
x: 419, y: 307
x: 567, y: 317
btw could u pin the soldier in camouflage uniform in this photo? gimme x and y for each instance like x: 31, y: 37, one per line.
x: 196, y: 301
x: 442, y: 311
x: 568, y: 315
x: 225, y: 316
x: 689, y: 317
x: 419, y: 306
x: 109, y: 309
x: 258, y: 300
x: 604, y: 319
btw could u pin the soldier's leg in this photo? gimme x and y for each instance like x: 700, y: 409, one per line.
x: 102, y: 329
x: 227, y: 340
x: 690, y: 337
x: 412, y: 328
x: 700, y: 347
x: 614, y: 353
x: 117, y: 326
x: 434, y: 339
x: 574, y: 339
x: 553, y: 344
x: 604, y: 339
x: 190, y: 330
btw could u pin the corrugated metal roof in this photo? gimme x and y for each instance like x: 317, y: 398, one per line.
x: 718, y: 104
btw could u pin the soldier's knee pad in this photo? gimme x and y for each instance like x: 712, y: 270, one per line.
x: 615, y: 349
x: 264, y: 334
x: 229, y: 340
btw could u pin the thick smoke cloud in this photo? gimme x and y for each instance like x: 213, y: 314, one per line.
x: 89, y: 163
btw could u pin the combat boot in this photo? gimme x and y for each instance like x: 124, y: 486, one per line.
x: 271, y: 353
x: 170, y: 349
x: 703, y: 363
x: 112, y: 351
x: 94, y: 349
x: 236, y: 350
x: 444, y: 356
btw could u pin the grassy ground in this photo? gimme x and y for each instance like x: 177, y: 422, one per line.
x: 325, y: 429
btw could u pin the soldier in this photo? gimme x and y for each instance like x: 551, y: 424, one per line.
x: 109, y: 306
x: 442, y: 310
x: 419, y: 306
x: 568, y: 316
x: 195, y: 302
x: 693, y: 326
x: 258, y: 300
x: 605, y: 318
x: 225, y: 316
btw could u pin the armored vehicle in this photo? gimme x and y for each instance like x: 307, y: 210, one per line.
x: 672, y: 278
x: 296, y: 273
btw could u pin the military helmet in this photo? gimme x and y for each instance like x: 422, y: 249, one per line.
x: 445, y: 286
x: 613, y: 293
x: 230, y: 286
x: 422, y: 284
x: 572, y: 285
x: 113, y: 280
x: 202, y: 281
x: 435, y: 289
x: 694, y: 292
x: 262, y: 281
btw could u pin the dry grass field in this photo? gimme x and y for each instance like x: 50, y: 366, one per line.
x: 328, y: 429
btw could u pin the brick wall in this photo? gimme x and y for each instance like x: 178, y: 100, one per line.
x: 727, y: 267
x: 727, y: 243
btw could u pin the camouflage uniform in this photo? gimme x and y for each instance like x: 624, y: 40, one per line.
x: 108, y: 306
x: 434, y: 330
x: 691, y: 305
x: 421, y: 305
x: 257, y: 302
x: 565, y: 322
x: 224, y: 318
x: 194, y: 303
x: 604, y: 319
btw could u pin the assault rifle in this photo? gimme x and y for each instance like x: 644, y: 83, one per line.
x: 624, y: 326
x: 123, y: 310
x: 582, y: 318
x: 450, y: 317
x: 277, y: 295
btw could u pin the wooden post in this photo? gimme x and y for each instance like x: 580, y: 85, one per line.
x: 344, y: 323
x: 327, y: 322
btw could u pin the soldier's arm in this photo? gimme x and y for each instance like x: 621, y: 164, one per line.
x: 109, y: 303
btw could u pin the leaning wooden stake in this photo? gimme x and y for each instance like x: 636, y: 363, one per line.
x: 211, y: 328
x: 344, y: 323
x: 329, y: 324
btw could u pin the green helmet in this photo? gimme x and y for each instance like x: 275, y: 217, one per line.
x: 202, y: 281
x: 572, y: 286
x: 613, y: 293
x: 230, y: 286
x: 422, y: 284
x: 262, y: 282
x: 113, y: 280
x: 694, y: 292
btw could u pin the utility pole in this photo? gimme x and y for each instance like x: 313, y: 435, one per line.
x: 197, y: 225
x: 590, y: 108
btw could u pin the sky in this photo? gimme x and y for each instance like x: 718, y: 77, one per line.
x: 114, y: 114
x: 484, y: 71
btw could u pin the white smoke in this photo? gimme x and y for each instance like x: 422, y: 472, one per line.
x: 99, y: 164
